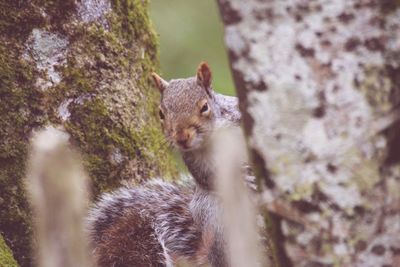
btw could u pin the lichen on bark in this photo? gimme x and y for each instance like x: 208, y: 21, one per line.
x: 319, y: 91
x: 84, y: 65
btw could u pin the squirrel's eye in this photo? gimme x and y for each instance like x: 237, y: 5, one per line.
x: 161, y: 114
x: 204, y: 108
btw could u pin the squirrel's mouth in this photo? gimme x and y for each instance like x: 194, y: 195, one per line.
x: 188, y: 145
x: 184, y: 146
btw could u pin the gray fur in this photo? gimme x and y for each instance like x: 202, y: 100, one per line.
x: 164, y: 206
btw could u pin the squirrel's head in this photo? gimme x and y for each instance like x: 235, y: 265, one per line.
x: 187, y: 108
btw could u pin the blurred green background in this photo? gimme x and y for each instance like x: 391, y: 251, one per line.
x: 191, y: 31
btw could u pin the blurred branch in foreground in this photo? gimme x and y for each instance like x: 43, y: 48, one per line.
x: 239, y: 212
x: 58, y: 188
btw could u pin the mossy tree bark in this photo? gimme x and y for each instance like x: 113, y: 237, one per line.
x: 319, y: 89
x: 6, y: 256
x: 84, y: 65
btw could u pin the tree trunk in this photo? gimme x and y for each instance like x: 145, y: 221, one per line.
x: 85, y: 65
x: 319, y: 88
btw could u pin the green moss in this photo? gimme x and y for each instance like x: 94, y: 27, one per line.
x: 21, y: 109
x: 58, y: 11
x: 132, y: 23
x: 108, y: 69
x: 6, y: 257
x: 17, y: 19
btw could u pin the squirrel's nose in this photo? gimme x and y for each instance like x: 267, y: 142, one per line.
x: 182, y: 142
x: 183, y: 138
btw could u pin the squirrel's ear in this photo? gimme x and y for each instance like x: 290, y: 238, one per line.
x: 204, y: 76
x: 160, y: 82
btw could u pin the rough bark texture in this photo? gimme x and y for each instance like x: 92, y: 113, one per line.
x: 85, y: 65
x: 318, y: 83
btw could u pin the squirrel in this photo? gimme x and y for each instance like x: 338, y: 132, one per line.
x: 190, y: 111
x: 159, y: 223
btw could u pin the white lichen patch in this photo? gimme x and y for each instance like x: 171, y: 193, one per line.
x: 47, y: 50
x: 63, y: 111
x: 346, y: 197
x: 116, y: 156
x: 94, y: 10
x: 81, y: 99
